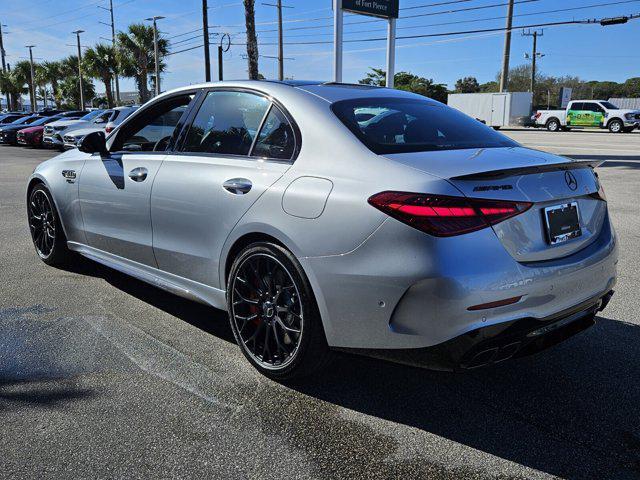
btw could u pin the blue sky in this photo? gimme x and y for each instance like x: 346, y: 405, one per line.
x: 591, y: 52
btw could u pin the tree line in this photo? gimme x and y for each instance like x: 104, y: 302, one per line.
x: 131, y: 57
x: 546, y: 89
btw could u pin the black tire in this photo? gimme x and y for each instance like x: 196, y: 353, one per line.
x: 268, y: 307
x: 615, y: 126
x: 553, y: 125
x: 48, y: 237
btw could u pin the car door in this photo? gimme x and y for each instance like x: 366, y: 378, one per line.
x: 574, y: 114
x: 238, y: 144
x: 115, y: 189
x: 595, y: 114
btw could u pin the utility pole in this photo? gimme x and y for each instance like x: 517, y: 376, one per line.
x: 78, y: 32
x: 281, y: 58
x: 155, y: 51
x: 535, y: 55
x: 4, y: 65
x: 205, y: 33
x: 32, y: 84
x: 280, y: 45
x: 113, y: 44
x: 504, y: 77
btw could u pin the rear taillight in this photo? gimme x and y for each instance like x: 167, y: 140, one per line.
x: 108, y: 130
x: 537, y: 115
x: 445, y: 216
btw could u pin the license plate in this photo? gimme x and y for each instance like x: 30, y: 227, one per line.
x: 563, y: 223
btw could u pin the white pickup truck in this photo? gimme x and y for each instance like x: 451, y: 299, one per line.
x: 588, y: 113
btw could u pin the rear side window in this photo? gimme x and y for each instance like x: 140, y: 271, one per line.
x: 227, y: 123
x: 577, y: 106
x: 276, y: 138
x: 401, y: 125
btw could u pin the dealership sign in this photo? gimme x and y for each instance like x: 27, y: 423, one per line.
x: 379, y: 8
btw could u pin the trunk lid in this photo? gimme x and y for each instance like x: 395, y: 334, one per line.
x: 525, y: 175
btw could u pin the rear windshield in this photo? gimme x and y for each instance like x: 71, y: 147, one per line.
x: 401, y: 125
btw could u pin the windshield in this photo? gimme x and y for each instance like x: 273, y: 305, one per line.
x: 91, y: 115
x: 401, y: 125
x: 609, y: 106
x: 22, y: 120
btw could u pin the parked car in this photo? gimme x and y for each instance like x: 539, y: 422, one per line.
x: 416, y: 233
x: 11, y: 117
x: 32, y: 135
x: 589, y: 113
x: 72, y: 135
x: 8, y: 132
x: 53, y: 133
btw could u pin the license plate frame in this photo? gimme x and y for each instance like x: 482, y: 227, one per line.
x: 562, y: 223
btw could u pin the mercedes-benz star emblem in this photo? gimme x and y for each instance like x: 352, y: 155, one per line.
x: 570, y: 178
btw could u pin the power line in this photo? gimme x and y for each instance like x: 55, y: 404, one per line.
x: 446, y: 34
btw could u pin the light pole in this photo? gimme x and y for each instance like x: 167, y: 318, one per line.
x: 78, y: 32
x: 32, y: 89
x: 155, y: 50
x: 4, y: 65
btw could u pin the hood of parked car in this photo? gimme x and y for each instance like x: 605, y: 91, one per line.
x: 31, y: 130
x: 83, y: 131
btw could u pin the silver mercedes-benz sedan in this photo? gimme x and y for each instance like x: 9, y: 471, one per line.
x: 337, y: 217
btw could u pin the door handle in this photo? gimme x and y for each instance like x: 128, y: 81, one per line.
x: 238, y: 186
x: 138, y: 174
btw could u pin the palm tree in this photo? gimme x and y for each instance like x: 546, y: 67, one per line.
x: 22, y: 69
x: 98, y: 62
x: 51, y: 73
x: 13, y: 83
x: 252, y: 41
x: 135, y: 55
x: 68, y: 86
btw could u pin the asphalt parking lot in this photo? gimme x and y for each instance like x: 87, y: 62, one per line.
x: 102, y: 376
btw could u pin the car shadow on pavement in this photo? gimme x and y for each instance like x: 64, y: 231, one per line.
x: 572, y: 411
x: 204, y: 317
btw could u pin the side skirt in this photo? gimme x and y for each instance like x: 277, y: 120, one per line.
x: 166, y: 281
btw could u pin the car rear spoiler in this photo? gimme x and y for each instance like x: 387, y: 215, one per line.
x: 509, y: 172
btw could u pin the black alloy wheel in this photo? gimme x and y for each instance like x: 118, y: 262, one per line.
x: 46, y: 230
x: 273, y: 313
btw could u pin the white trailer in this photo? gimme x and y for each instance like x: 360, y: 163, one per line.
x: 495, y: 109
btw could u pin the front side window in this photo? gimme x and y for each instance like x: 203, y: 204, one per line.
x: 151, y: 131
x: 401, y: 125
x: 226, y: 123
x: 276, y: 138
x: 592, y: 107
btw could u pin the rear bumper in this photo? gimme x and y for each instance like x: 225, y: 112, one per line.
x: 497, y: 343
x: 404, y: 290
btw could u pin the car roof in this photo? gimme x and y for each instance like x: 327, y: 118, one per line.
x: 328, y: 91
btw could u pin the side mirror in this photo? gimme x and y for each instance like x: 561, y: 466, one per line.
x: 93, y: 142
